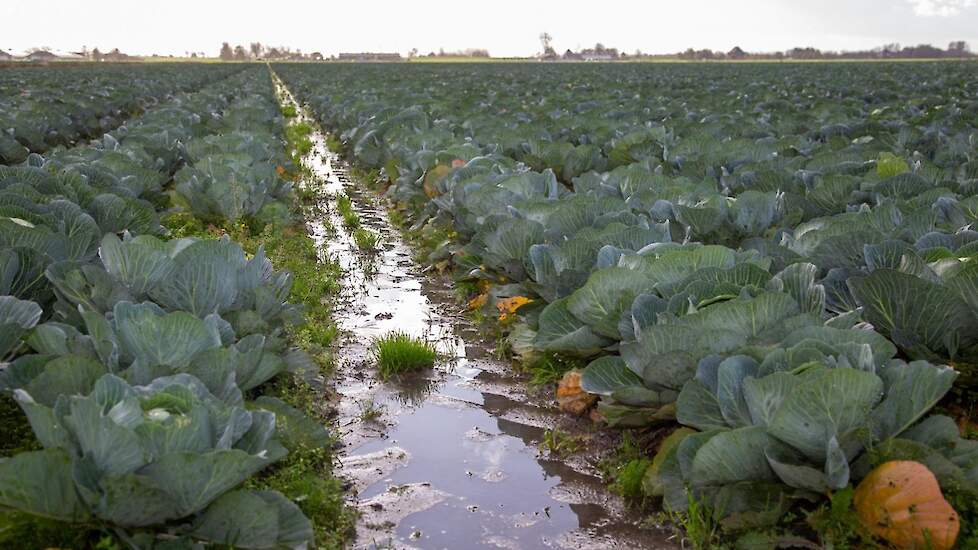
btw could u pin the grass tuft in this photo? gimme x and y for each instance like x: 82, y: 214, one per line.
x: 366, y: 240
x: 397, y: 353
x: 345, y: 207
x: 700, y: 528
x: 550, y: 367
x: 297, y: 136
x: 559, y: 443
x: 628, y: 482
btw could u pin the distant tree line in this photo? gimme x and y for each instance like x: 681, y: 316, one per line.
x: 113, y: 55
x: 956, y: 49
x: 256, y: 50
x: 468, y: 52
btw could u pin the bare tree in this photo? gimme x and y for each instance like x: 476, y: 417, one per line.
x: 239, y: 53
x: 227, y: 54
x: 546, y: 41
x: 958, y: 48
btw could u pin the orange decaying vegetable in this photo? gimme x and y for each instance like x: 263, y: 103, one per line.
x: 901, y: 502
x: 571, y: 397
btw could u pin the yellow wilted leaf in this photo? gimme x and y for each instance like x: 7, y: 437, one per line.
x: 478, y: 302
x: 508, y: 306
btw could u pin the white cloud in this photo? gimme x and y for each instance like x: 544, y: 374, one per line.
x: 940, y: 8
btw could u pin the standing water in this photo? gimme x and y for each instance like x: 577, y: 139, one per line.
x: 450, y: 458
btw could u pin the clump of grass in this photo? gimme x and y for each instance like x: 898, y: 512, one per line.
x: 351, y: 220
x: 628, y: 481
x: 560, y: 443
x: 289, y: 111
x: 835, y: 522
x: 345, y: 207
x: 700, y: 527
x: 398, y: 352
x: 370, y: 411
x: 297, y: 136
x: 344, y: 204
x: 550, y: 367
x: 367, y: 241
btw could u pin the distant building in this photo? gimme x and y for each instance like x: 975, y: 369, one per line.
x: 571, y: 55
x: 41, y: 55
x: 4, y: 56
x: 603, y: 55
x: 736, y: 53
x: 370, y: 56
x: 116, y: 55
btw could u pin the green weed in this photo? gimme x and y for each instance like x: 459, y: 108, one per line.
x: 344, y: 205
x: 366, y: 240
x: 560, y: 443
x: 398, y: 352
x: 700, y: 527
x: 628, y: 481
x: 298, y: 143
x: 370, y: 411
x: 550, y: 367
x: 837, y: 524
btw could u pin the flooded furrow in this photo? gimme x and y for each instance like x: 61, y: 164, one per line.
x: 449, y: 458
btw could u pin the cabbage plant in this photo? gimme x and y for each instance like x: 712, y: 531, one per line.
x: 802, y: 423
x: 167, y: 455
x: 201, y: 277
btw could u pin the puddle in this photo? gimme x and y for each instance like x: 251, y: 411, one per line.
x: 447, y: 458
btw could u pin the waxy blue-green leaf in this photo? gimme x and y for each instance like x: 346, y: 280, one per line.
x: 827, y: 403
x: 40, y: 483
x: 733, y: 456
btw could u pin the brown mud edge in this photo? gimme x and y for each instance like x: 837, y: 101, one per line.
x: 448, y: 458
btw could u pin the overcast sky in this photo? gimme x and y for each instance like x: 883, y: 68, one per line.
x: 505, y: 27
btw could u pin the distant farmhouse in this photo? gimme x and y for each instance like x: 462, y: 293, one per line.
x: 4, y: 56
x: 40, y: 55
x: 597, y: 53
x: 370, y: 56
x: 600, y: 54
x: 44, y: 56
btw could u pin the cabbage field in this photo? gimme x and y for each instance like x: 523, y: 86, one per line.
x: 778, y: 259
x: 137, y: 357
x: 765, y: 274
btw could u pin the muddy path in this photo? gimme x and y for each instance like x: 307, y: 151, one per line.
x: 448, y: 458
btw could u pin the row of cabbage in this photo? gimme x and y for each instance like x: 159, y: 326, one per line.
x: 781, y: 258
x: 41, y: 109
x: 132, y: 355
